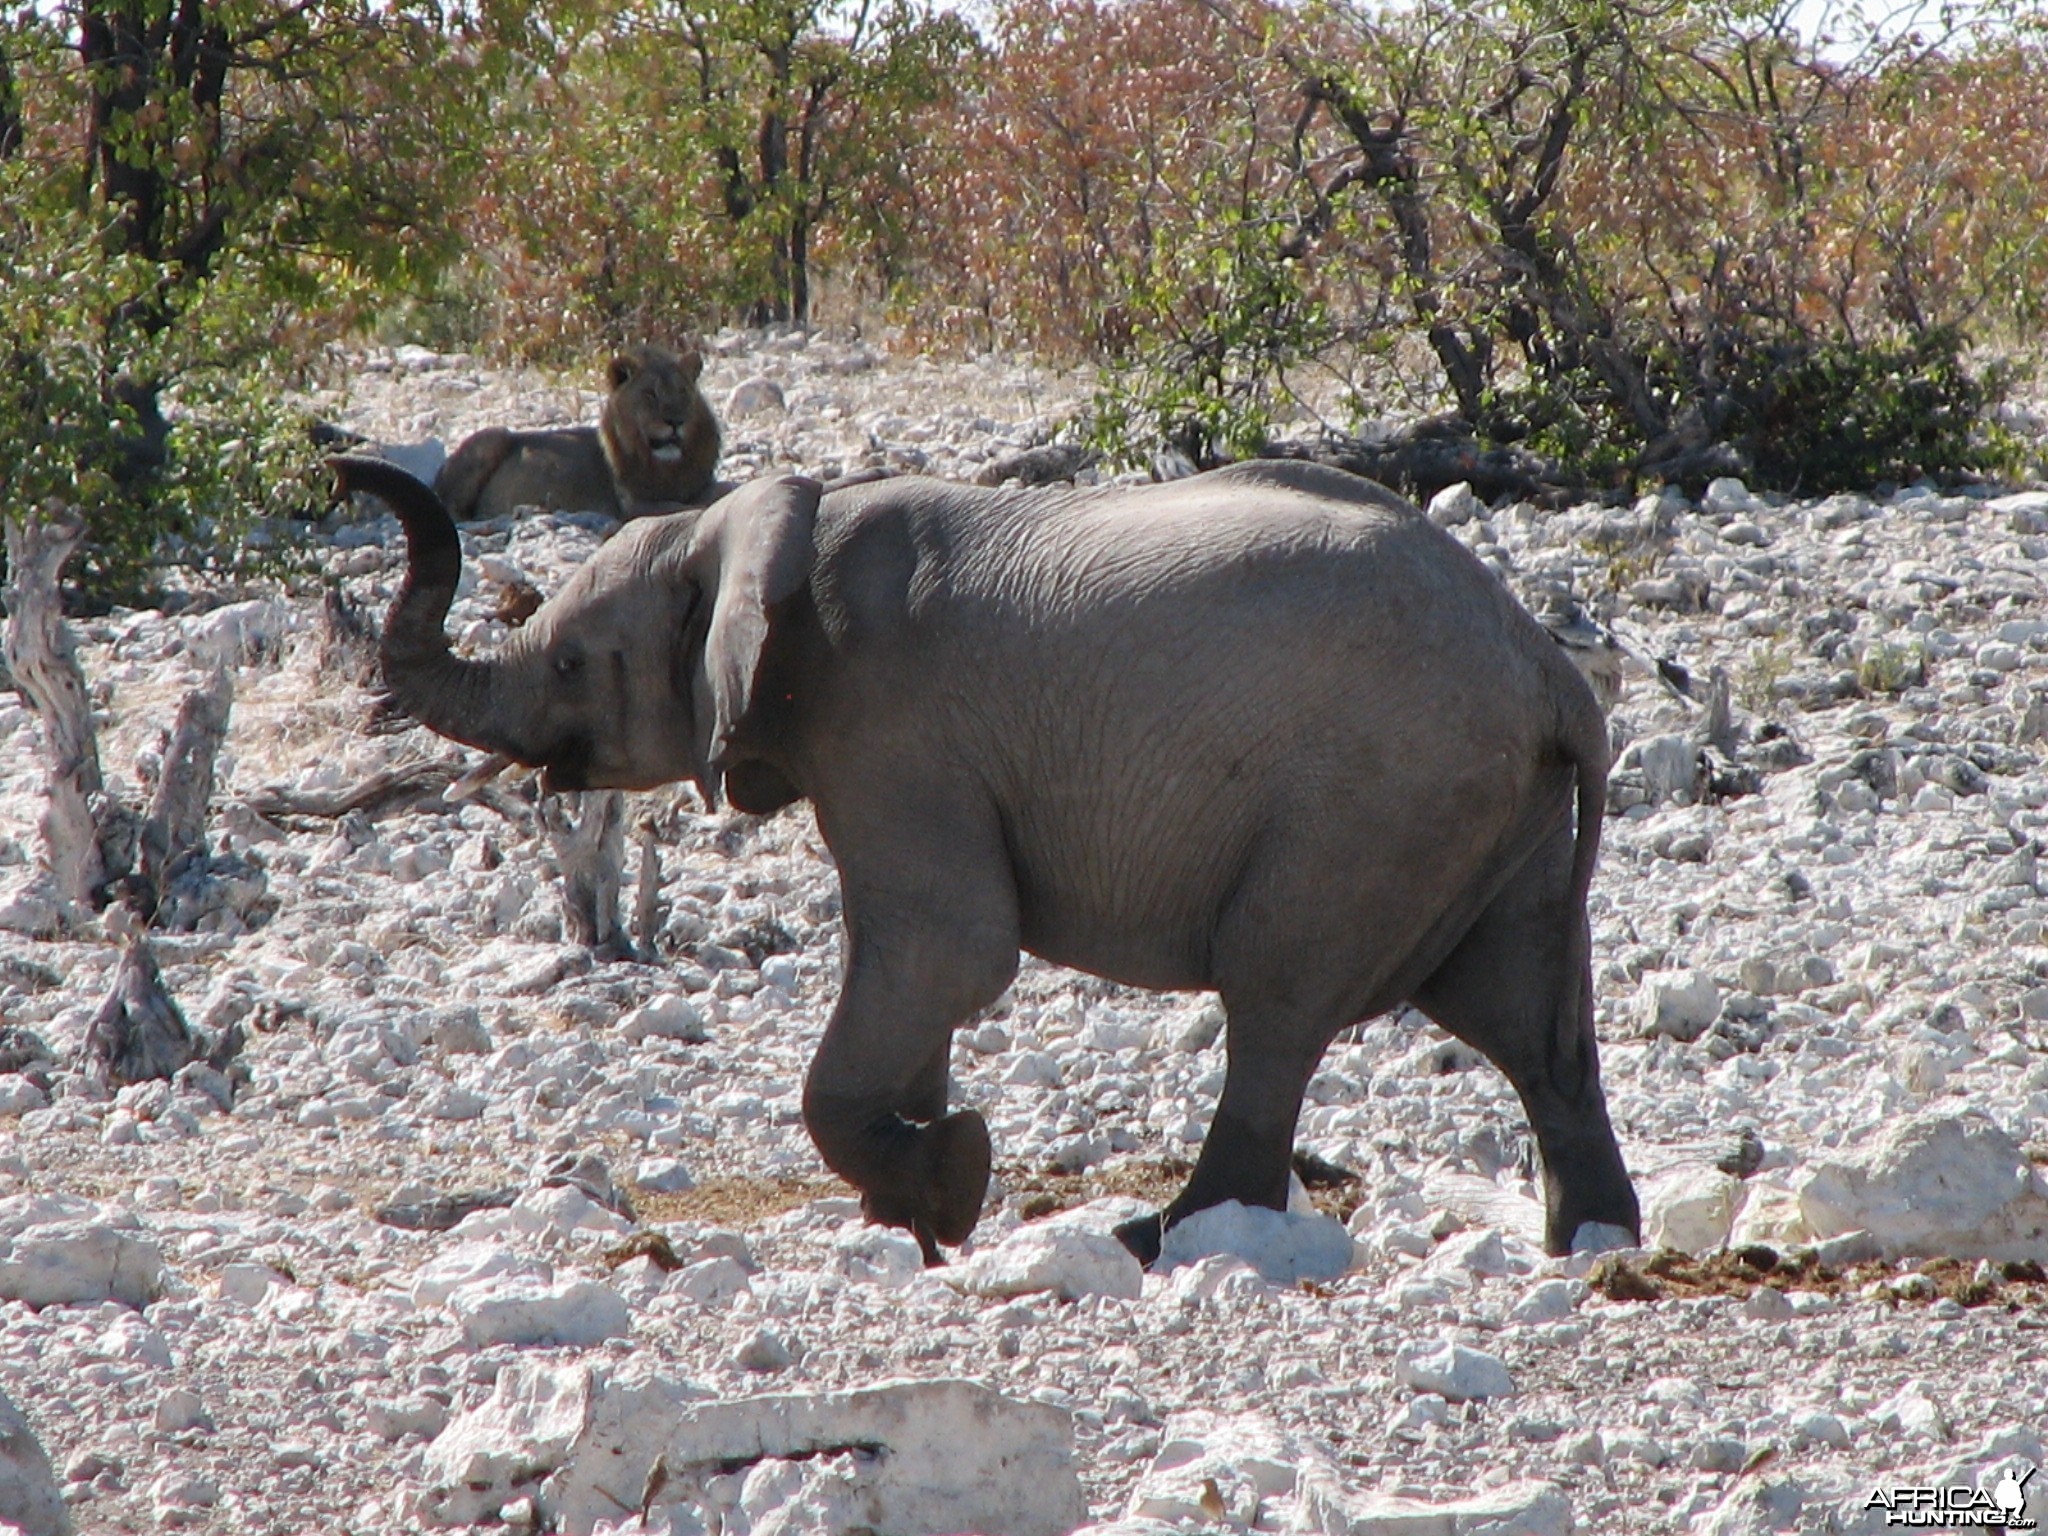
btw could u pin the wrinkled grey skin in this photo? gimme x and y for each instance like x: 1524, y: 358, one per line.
x: 1266, y: 731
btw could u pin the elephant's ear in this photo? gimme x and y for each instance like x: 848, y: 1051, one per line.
x: 752, y: 551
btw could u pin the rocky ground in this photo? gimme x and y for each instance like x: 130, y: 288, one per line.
x: 482, y: 1226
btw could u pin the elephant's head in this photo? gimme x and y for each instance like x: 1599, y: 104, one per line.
x: 638, y: 672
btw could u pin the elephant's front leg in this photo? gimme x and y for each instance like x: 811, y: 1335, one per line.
x: 919, y: 962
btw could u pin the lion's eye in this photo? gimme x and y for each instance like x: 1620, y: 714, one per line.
x: 568, y: 663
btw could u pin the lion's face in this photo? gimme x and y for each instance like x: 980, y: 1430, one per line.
x: 659, y: 434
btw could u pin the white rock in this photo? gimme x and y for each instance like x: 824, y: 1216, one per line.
x: 229, y: 635
x: 29, y: 903
x: 1480, y: 1255
x: 1283, y: 1246
x: 1756, y: 1507
x: 452, y: 1101
x: 1455, y: 505
x: 1822, y: 1428
x: 1934, y: 1185
x: 79, y: 1261
x: 1513, y: 1509
x: 758, y: 393
x: 764, y: 1351
x: 558, y: 1213
x: 1728, y: 497
x: 1204, y: 1456
x: 1911, y: 1411
x: 526, y: 1311
x: 1690, y: 1208
x: 19, y: 1095
x: 1681, y: 1004
x: 880, y: 1256
x: 1065, y: 1260
x: 1550, y: 1301
x: 29, y: 1496
x: 248, y: 1283
x: 1596, y: 1237
x: 1670, y: 766
x: 468, y: 1262
x: 1770, y: 1215
x: 1767, y: 1304
x: 950, y: 1455
x: 710, y: 1282
x: 394, y: 1419
x: 178, y: 1496
x: 523, y: 1431
x: 668, y: 1017
x: 1452, y: 1370
x: 180, y: 1409
x: 662, y: 1176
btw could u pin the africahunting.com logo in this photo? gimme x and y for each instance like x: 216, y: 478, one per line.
x: 2003, y: 1506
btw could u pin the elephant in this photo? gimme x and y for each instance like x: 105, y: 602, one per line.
x: 1265, y: 732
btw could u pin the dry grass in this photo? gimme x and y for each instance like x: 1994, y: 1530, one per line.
x: 1033, y: 1192
x: 736, y: 1202
x: 1668, y: 1275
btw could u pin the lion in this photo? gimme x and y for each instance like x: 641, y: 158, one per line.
x: 655, y: 448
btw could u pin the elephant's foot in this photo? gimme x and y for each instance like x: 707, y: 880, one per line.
x: 934, y: 1183
x: 1584, y: 1180
x: 1144, y: 1236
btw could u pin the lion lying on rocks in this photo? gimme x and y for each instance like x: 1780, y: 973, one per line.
x: 655, y: 447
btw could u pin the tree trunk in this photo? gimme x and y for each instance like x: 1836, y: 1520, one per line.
x: 647, y: 906
x: 176, y: 829
x: 10, y: 107
x: 139, y: 1034
x: 41, y: 656
x: 591, y: 850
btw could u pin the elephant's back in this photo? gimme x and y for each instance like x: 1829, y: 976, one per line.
x: 1151, y: 682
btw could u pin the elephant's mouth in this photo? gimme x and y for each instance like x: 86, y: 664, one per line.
x: 566, y: 768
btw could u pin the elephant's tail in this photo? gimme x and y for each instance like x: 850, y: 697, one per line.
x: 1583, y: 738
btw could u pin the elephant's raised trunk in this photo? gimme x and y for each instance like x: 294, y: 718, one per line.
x: 452, y: 696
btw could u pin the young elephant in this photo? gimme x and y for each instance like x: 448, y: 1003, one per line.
x: 654, y: 448
x: 1266, y: 732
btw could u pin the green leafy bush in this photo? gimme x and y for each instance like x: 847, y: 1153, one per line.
x: 1844, y: 415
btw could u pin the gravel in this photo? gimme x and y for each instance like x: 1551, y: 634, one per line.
x: 1822, y: 991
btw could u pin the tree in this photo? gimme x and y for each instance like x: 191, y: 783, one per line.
x: 193, y: 184
x: 678, y: 159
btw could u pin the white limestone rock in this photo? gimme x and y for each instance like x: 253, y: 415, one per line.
x: 1454, y: 1371
x: 30, y: 1499
x: 1455, y: 505
x: 1066, y: 1260
x: 1283, y: 1246
x: 498, y: 1452
x: 749, y: 396
x: 52, y: 1253
x: 1681, y: 1004
x: 1514, y: 1509
x: 1239, y: 1459
x: 1691, y: 1208
x: 1935, y: 1185
x: 528, y: 1311
x: 1756, y: 1507
x: 466, y: 1263
x: 668, y: 1017
x: 934, y: 1455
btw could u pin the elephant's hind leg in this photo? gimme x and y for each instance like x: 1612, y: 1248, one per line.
x: 1249, y: 1150
x: 1518, y: 989
x: 927, y: 945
